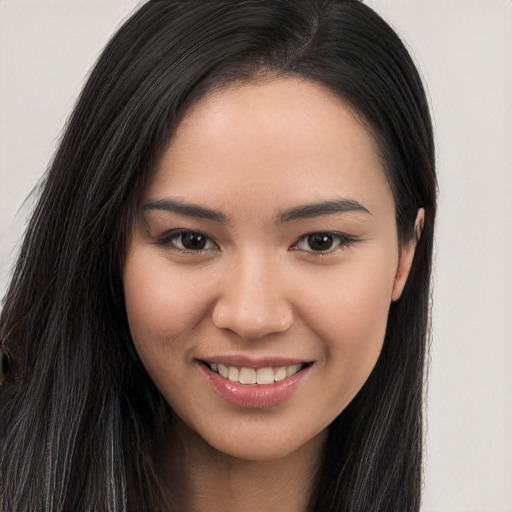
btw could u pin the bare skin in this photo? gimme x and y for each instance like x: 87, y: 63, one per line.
x: 268, y: 242
x: 203, y: 480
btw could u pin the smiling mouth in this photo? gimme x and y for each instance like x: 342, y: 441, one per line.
x: 264, y: 376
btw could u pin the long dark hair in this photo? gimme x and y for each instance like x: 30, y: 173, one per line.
x: 80, y: 416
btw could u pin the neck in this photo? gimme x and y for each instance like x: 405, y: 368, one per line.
x: 200, y: 478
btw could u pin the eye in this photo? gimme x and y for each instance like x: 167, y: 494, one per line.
x: 323, y: 243
x: 187, y: 241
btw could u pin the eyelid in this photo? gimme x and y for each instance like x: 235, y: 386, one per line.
x: 166, y: 240
x: 341, y: 241
x: 344, y: 240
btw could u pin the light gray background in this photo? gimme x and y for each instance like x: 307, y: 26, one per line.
x: 464, y: 49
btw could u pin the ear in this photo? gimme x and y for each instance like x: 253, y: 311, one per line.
x: 406, y: 257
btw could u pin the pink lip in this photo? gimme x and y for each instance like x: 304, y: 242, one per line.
x: 250, y: 362
x: 254, y: 396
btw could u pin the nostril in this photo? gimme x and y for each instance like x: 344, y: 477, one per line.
x: 252, y: 322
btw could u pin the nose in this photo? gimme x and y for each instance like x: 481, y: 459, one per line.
x: 251, y: 300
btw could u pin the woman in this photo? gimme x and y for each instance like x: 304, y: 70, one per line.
x: 222, y: 296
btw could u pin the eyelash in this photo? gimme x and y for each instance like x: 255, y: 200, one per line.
x: 169, y: 238
x: 339, y: 240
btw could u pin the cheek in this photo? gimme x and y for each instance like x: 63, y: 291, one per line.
x: 353, y: 301
x: 350, y: 317
x: 162, y: 304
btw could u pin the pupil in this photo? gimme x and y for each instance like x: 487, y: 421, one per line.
x: 320, y: 242
x: 193, y: 241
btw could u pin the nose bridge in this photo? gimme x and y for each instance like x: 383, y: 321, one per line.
x: 252, y: 301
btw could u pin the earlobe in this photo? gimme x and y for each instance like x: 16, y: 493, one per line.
x: 406, y: 257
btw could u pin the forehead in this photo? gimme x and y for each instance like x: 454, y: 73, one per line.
x: 283, y: 139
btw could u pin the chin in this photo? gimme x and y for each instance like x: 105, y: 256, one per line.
x: 261, y: 443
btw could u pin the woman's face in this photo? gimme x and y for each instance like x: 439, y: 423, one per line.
x: 268, y: 252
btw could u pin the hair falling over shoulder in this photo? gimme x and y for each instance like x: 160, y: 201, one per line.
x: 79, y: 412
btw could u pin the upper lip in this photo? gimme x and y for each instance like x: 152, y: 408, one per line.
x: 244, y: 361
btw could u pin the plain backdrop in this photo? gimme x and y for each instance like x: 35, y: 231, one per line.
x: 464, y: 51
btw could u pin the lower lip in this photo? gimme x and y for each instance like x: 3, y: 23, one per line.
x: 254, y: 396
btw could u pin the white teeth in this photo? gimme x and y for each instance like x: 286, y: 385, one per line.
x: 233, y: 374
x: 262, y: 376
x: 265, y: 375
x: 247, y: 376
x: 280, y: 374
x: 223, y: 370
x: 292, y: 369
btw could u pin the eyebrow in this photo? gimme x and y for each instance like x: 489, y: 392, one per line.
x: 299, y: 212
x: 321, y: 209
x: 190, y: 210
